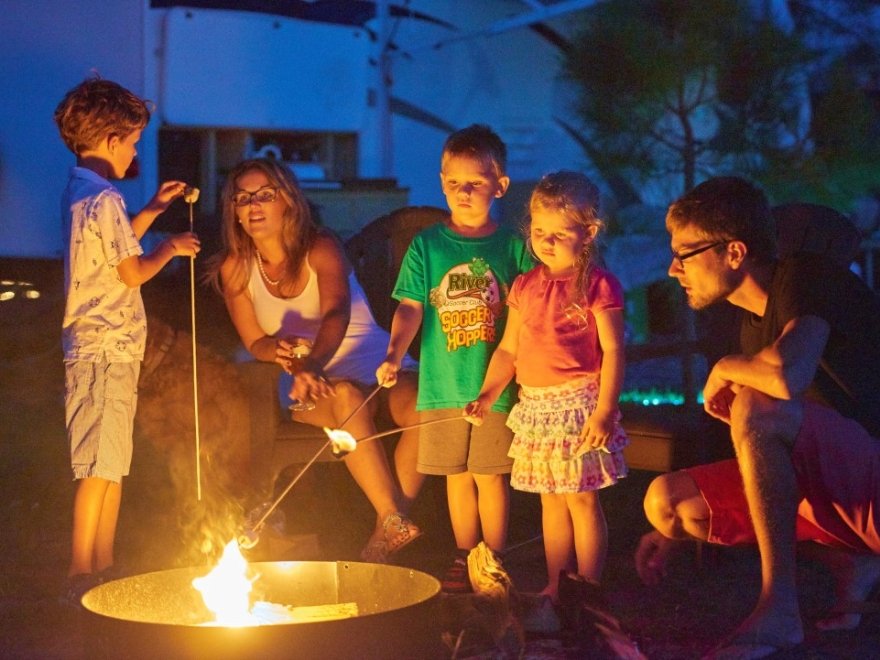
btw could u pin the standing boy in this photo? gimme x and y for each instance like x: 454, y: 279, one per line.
x: 462, y: 270
x: 105, y: 327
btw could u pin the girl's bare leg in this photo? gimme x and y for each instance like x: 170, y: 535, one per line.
x: 590, y: 533
x: 558, y: 540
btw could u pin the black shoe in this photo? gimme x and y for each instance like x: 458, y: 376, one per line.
x: 455, y: 579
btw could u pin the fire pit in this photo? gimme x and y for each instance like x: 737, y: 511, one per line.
x: 390, y: 613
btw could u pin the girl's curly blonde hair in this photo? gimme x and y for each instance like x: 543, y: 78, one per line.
x: 577, y: 198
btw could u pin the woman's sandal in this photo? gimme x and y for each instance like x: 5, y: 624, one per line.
x: 399, y: 532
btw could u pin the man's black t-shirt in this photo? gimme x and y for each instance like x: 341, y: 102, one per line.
x: 848, y: 377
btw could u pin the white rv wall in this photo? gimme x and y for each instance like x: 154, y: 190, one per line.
x: 507, y: 80
x: 241, y: 69
x: 47, y: 47
x: 222, y: 68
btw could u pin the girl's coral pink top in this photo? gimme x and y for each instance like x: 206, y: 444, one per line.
x: 558, y: 342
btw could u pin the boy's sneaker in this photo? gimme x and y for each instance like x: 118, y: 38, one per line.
x: 456, y: 580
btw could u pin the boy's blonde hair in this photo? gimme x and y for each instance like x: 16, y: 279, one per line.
x: 479, y: 142
x: 96, y: 109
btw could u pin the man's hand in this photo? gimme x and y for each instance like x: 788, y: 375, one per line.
x: 652, y: 556
x: 718, y: 396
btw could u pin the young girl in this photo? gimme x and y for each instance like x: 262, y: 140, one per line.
x: 564, y: 342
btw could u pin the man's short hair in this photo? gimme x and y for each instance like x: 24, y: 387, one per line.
x: 480, y: 142
x: 96, y: 109
x: 731, y: 208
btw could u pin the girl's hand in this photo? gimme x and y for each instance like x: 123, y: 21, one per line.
x: 598, y: 430
x: 386, y: 374
x: 475, y: 411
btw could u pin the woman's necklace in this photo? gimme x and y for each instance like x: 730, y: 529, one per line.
x: 263, y: 272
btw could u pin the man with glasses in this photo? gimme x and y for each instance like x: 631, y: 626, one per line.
x: 802, y: 400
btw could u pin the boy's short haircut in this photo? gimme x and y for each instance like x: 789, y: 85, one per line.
x: 96, y: 109
x: 480, y: 142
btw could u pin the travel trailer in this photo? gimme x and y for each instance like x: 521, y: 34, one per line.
x: 356, y: 96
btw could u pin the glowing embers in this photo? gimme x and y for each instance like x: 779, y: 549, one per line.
x: 226, y: 591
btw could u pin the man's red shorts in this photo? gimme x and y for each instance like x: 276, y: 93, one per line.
x: 837, y: 466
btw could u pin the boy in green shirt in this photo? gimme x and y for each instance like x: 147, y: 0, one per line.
x: 461, y: 271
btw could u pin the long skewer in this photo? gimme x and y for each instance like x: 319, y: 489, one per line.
x: 190, y: 196
x: 399, y: 429
x: 259, y: 524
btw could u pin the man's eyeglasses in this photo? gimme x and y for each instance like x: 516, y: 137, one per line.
x: 263, y: 196
x: 680, y: 258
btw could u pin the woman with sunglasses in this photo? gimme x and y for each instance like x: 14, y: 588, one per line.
x: 286, y: 283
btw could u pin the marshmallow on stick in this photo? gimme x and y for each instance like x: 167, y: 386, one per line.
x: 190, y: 195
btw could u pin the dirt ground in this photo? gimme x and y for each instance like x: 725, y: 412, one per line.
x: 701, y: 599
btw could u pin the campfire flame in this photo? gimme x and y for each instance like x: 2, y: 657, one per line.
x: 341, y: 441
x: 226, y: 589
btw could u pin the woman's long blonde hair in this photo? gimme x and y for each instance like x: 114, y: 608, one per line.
x: 298, y: 232
x: 577, y: 198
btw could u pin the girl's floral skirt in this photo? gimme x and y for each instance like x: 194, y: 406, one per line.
x: 546, y: 449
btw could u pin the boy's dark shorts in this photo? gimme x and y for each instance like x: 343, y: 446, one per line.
x: 458, y: 446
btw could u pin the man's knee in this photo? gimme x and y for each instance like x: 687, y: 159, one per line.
x: 756, y: 415
x: 659, y: 503
x: 670, y: 501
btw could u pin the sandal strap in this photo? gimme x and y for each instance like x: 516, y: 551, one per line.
x: 399, y: 531
x: 397, y: 519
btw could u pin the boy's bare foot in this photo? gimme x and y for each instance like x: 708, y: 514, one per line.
x: 855, y: 577
x: 768, y: 630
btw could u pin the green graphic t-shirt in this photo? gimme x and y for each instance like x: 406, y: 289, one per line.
x: 462, y: 284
